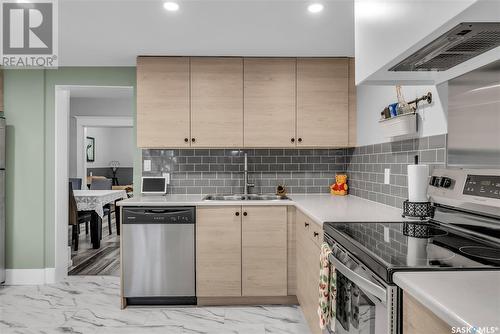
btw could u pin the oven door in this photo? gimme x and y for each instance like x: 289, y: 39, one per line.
x: 363, y: 304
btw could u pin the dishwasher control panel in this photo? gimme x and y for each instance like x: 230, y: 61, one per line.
x: 159, y: 215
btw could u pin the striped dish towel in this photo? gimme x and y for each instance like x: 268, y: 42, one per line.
x: 327, y: 290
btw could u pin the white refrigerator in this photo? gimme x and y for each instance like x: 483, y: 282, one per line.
x: 2, y: 200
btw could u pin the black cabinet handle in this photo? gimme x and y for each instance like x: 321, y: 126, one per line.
x: 300, y: 140
x: 186, y: 140
x: 292, y: 140
x: 306, y: 224
x: 193, y: 139
x: 237, y: 214
x: 244, y: 213
x: 315, y: 234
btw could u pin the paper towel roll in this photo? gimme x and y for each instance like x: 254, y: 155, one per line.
x: 417, y: 183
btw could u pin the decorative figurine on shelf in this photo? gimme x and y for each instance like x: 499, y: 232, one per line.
x: 281, y: 190
x: 340, y: 186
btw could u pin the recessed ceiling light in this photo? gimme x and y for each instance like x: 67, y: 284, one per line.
x: 315, y: 7
x: 171, y: 6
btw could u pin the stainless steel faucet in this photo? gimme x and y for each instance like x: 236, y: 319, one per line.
x: 247, y: 184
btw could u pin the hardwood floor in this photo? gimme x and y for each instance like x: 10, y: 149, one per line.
x: 102, y: 261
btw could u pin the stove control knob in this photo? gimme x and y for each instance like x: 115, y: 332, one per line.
x: 445, y: 182
x: 432, y: 180
x: 435, y: 181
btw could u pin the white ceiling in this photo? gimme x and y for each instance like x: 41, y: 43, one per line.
x: 113, y: 33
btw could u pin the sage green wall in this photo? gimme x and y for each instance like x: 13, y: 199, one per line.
x: 29, y: 111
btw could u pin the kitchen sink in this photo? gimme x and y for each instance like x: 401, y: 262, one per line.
x: 250, y: 197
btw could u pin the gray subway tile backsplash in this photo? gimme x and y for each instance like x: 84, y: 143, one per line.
x: 366, y: 175
x: 205, y: 171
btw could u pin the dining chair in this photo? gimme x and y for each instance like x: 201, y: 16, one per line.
x: 76, y: 182
x: 104, y: 184
x: 76, y: 217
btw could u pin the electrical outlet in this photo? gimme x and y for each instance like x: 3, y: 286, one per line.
x: 387, y: 176
x: 147, y: 165
x: 387, y: 235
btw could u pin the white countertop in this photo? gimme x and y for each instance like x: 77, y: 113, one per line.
x: 460, y: 298
x: 319, y: 207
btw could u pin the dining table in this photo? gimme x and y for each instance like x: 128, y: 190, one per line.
x: 93, y: 201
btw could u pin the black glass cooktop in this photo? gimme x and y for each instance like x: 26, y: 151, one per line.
x: 389, y: 247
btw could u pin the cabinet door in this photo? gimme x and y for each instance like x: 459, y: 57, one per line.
x: 264, y: 251
x: 307, y: 270
x: 163, y: 102
x: 418, y: 319
x: 352, y: 104
x: 322, y: 102
x: 269, y: 102
x: 217, y: 102
x: 218, y: 251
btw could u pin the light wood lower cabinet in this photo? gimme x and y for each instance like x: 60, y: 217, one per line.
x: 308, y: 251
x: 264, y: 251
x: 218, y: 251
x: 417, y: 319
x: 241, y: 251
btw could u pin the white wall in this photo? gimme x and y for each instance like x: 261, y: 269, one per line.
x: 87, y: 106
x: 371, y: 100
x: 112, y: 144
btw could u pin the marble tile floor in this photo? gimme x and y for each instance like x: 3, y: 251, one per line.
x: 91, y: 304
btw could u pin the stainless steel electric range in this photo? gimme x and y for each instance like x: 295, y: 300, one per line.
x: 463, y: 234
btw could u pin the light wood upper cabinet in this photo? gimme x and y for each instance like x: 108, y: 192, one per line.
x: 163, y: 115
x: 269, y: 102
x: 218, y: 251
x: 264, y: 251
x: 352, y: 104
x: 245, y: 102
x: 217, y: 102
x: 1, y: 90
x: 322, y: 102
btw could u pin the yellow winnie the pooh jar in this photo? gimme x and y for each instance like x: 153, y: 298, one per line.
x: 340, y: 186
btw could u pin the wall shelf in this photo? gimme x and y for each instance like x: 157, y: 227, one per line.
x: 401, y: 125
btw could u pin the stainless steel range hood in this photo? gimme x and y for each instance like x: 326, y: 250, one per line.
x: 474, y: 118
x: 465, y: 41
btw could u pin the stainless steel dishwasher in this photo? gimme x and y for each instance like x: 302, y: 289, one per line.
x: 158, y: 255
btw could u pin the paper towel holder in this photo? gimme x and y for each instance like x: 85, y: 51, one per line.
x: 417, y: 210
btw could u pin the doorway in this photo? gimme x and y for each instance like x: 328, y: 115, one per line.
x: 94, y: 142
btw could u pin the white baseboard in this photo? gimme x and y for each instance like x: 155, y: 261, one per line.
x: 30, y: 276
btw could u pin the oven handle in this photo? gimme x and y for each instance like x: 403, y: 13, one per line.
x: 360, y: 281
